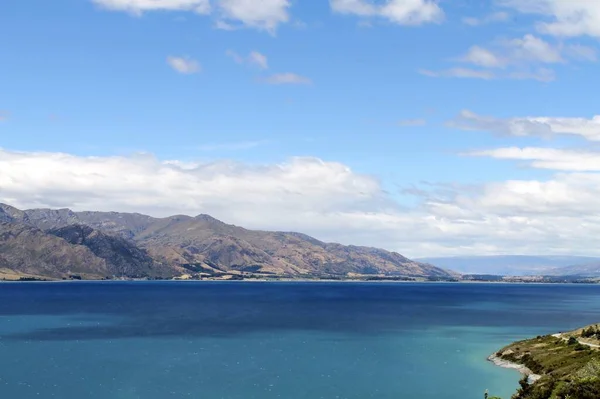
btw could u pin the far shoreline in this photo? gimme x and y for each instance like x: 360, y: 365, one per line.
x: 308, y: 281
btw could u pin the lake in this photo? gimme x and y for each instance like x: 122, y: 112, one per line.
x: 245, y: 340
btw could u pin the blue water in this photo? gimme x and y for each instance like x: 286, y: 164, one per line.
x: 272, y: 340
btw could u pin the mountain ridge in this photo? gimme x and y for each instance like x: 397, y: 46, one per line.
x: 174, y: 244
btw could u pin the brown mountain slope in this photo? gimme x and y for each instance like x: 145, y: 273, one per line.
x: 209, y: 243
x: 123, y: 258
x: 27, y: 251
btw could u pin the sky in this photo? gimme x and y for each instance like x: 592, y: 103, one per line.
x: 431, y: 128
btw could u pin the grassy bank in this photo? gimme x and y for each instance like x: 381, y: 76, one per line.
x: 568, y: 365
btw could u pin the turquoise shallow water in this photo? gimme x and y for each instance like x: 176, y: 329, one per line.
x: 288, y: 340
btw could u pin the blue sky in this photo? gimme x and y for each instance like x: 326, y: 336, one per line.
x: 426, y: 116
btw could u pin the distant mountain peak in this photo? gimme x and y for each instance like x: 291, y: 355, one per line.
x: 10, y: 211
x: 207, y: 218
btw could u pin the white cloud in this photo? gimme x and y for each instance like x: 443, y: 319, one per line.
x: 534, y: 49
x: 540, y: 74
x: 517, y: 52
x: 482, y: 57
x: 184, y: 65
x: 519, y: 58
x: 547, y: 158
x: 139, y: 6
x: 325, y: 199
x: 254, y: 58
x: 564, y: 17
x: 258, y: 59
x: 465, y: 73
x: 222, y: 25
x: 500, y: 16
x: 403, y: 12
x: 540, y: 126
x: 4, y: 115
x: 305, y: 194
x: 231, y: 14
x: 264, y: 15
x: 287, y: 78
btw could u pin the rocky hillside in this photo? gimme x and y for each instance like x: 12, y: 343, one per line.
x: 122, y: 257
x: 205, y: 243
x: 30, y: 252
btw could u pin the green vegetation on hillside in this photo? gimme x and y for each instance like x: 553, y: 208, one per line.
x: 569, y: 365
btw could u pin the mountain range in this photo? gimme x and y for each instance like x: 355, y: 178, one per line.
x: 520, y: 265
x: 61, y: 243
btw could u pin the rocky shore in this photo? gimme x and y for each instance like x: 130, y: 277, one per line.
x: 531, y: 376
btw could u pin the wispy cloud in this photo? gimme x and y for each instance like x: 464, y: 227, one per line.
x: 402, y: 12
x: 575, y: 160
x: 466, y: 73
x: 184, y: 65
x: 4, y: 115
x: 540, y: 126
x: 258, y: 59
x: 255, y: 59
x: 264, y: 15
x: 139, y: 6
x: 500, y: 16
x: 287, y: 79
x: 527, y: 57
x: 222, y: 25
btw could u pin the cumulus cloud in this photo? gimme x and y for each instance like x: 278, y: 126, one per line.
x: 140, y: 6
x: 562, y: 17
x: 184, y: 65
x: 255, y: 59
x: 287, y: 79
x: 483, y: 57
x: 403, y: 12
x: 532, y: 48
x: 540, y: 126
x: 264, y: 15
x: 305, y: 194
x: 325, y: 199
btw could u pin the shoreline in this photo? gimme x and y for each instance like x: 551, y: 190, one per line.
x: 531, y: 376
x: 292, y: 281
